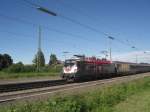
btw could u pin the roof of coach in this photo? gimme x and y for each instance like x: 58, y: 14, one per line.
x: 137, y: 64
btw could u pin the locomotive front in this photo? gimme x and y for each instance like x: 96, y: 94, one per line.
x: 70, y: 69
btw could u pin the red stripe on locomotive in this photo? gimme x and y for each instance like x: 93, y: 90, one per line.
x: 97, y: 61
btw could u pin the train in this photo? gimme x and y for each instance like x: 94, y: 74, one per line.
x: 82, y: 67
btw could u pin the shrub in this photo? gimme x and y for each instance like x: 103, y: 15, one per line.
x: 66, y: 104
x: 19, y: 67
x: 55, y: 68
x: 15, y: 68
x: 28, y: 68
x: 52, y: 69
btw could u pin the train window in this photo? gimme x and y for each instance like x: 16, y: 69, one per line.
x: 69, y: 63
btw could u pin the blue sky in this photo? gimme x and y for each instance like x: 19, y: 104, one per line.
x: 126, y: 20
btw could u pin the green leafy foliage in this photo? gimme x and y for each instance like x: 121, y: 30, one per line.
x: 94, y: 101
x: 53, y: 59
x: 20, y: 68
x: 39, y: 59
x: 5, y: 61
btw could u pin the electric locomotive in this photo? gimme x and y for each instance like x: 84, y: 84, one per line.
x: 86, y: 68
x: 83, y: 67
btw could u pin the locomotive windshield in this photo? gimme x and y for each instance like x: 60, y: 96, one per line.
x: 69, y: 63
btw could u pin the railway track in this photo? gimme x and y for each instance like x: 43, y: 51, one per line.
x: 29, y: 85
x: 39, y: 92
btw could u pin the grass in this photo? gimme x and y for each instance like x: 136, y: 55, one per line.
x: 106, y: 99
x: 47, y: 71
x: 139, y: 102
x: 4, y: 75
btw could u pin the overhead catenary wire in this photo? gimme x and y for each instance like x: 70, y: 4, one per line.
x: 79, y: 11
x: 66, y: 18
x: 27, y: 36
x: 56, y: 42
x: 16, y: 34
x: 97, y: 31
x: 112, y: 38
x: 49, y: 28
x: 89, y: 17
x: 40, y: 8
x: 78, y: 22
x: 30, y: 37
x: 75, y: 36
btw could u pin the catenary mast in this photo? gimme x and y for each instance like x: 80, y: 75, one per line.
x: 39, y: 48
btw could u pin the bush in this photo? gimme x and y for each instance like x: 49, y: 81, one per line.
x: 55, y: 68
x: 51, y: 69
x: 15, y: 68
x: 28, y: 68
x: 19, y: 67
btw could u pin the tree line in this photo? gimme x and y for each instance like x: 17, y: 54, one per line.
x: 7, y: 65
x: 39, y: 59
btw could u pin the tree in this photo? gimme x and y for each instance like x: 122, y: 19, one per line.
x: 39, y: 59
x: 53, y: 59
x: 34, y: 61
x: 1, y: 61
x: 5, y: 61
x: 16, y: 68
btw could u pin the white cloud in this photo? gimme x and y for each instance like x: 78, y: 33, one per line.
x: 140, y: 56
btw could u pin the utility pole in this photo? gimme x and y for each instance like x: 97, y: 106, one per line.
x: 39, y: 41
x: 136, y: 55
x: 136, y: 58
x: 105, y: 52
x: 110, y: 52
x: 39, y: 49
x: 65, y: 53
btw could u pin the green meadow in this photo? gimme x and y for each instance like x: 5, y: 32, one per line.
x: 132, y: 96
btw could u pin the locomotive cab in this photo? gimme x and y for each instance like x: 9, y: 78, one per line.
x: 70, y: 69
